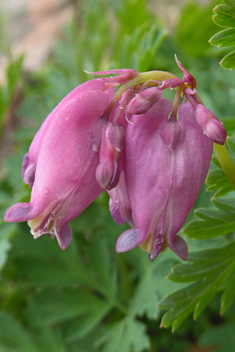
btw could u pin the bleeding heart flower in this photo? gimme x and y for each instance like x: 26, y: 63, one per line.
x: 165, y: 164
x: 61, y: 163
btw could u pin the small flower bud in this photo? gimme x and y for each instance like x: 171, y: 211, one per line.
x: 107, y: 172
x: 211, y: 126
x: 143, y: 101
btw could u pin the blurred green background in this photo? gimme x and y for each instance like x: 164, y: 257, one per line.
x: 88, y: 298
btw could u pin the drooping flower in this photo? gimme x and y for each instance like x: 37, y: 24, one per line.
x: 61, y: 163
x: 165, y: 164
x: 131, y: 143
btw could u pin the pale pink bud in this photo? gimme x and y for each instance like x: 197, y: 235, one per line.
x: 107, y: 172
x: 143, y: 101
x: 211, y: 126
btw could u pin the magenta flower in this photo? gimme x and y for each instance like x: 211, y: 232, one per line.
x: 150, y: 155
x: 61, y: 163
x: 165, y: 164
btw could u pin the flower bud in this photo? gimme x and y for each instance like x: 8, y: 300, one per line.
x: 107, y: 172
x: 211, y: 126
x: 144, y: 101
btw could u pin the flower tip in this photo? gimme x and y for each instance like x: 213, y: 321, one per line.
x: 63, y: 235
x: 128, y: 240
x: 188, y: 78
x: 178, y: 245
x: 19, y: 212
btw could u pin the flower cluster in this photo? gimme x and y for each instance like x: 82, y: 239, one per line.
x: 150, y: 155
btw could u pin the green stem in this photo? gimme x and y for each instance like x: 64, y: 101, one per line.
x: 226, y: 162
x: 176, y: 102
x: 140, y: 79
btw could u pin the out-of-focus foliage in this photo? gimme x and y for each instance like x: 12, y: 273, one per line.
x: 10, y: 89
x: 88, y: 298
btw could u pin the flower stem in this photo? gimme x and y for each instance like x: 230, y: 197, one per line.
x: 226, y: 162
x: 140, y: 79
x: 176, y: 102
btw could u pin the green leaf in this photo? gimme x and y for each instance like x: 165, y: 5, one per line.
x: 227, y: 297
x: 224, y: 16
x: 189, y: 35
x: 53, y: 306
x: 125, y: 335
x: 220, y: 336
x: 230, y: 3
x: 139, y: 49
x: 101, y: 267
x: 151, y: 287
x: 224, y: 38
x: 12, y: 334
x: 6, y: 233
x: 224, y: 204
x: 217, y: 181
x: 84, y: 324
x: 210, y: 269
x: 214, y: 223
x: 231, y: 143
x: 228, y: 61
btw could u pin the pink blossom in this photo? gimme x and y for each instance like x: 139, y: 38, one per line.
x: 61, y: 163
x: 165, y: 164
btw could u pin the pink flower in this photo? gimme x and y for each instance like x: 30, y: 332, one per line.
x: 61, y: 164
x: 165, y: 164
x: 131, y: 143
